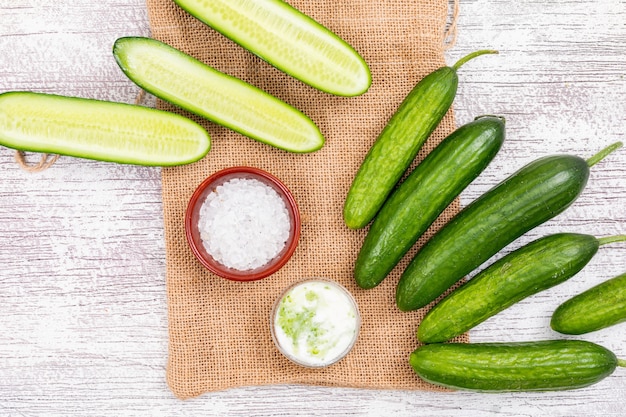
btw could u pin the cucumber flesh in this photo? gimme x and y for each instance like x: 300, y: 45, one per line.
x: 190, y: 84
x: 288, y: 39
x: 100, y: 130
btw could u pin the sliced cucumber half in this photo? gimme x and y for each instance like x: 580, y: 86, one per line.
x: 101, y: 130
x: 288, y: 39
x: 194, y: 86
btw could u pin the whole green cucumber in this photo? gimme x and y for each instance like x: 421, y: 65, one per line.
x: 549, y: 365
x: 535, y: 267
x: 424, y: 194
x: 534, y: 194
x: 397, y: 145
x: 597, y: 308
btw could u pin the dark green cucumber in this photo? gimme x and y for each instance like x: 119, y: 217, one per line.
x: 190, y: 84
x: 535, y: 267
x: 597, y: 308
x: 101, y: 130
x: 288, y: 39
x: 424, y: 194
x: 522, y: 366
x: 399, y: 142
x: 531, y: 196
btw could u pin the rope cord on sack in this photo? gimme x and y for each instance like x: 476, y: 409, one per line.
x: 46, y: 162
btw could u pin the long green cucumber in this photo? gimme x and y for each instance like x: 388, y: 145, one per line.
x: 190, y: 84
x: 531, y: 196
x: 100, y: 130
x: 424, y: 194
x: 399, y: 142
x: 535, y: 267
x: 549, y: 365
x: 288, y: 39
x: 597, y: 308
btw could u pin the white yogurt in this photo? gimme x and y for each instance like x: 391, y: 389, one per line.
x: 315, y: 323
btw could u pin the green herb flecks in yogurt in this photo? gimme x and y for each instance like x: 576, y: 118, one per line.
x: 316, y: 322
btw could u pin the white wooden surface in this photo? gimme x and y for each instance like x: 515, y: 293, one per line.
x: 83, y: 325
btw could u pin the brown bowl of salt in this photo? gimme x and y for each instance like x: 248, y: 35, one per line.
x: 242, y: 224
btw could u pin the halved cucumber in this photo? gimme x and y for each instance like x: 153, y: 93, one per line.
x: 188, y: 83
x: 100, y: 130
x: 288, y: 39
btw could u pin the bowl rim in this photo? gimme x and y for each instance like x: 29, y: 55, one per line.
x: 230, y: 273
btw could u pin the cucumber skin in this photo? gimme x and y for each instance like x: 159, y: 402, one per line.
x: 596, y: 308
x: 85, y: 103
x: 304, y: 19
x: 424, y: 194
x: 535, y: 267
x: 534, y: 194
x: 550, y: 365
x: 118, y: 52
x: 398, y: 144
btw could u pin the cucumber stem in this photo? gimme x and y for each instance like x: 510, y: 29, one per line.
x: 621, y: 362
x: 611, y: 239
x: 473, y: 55
x: 603, y: 153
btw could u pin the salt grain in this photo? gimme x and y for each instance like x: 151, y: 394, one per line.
x: 244, y: 224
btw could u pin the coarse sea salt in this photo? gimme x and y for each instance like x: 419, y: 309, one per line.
x: 244, y: 224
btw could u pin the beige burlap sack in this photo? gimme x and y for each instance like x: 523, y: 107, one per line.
x: 219, y: 330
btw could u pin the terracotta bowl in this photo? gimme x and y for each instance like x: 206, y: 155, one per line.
x: 193, y: 214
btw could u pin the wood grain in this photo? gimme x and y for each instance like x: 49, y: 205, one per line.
x: 83, y: 324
